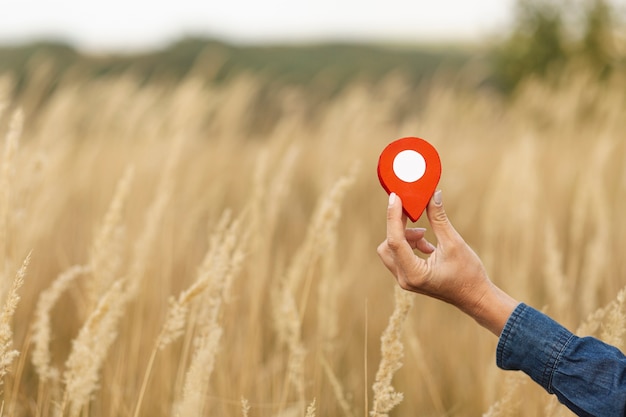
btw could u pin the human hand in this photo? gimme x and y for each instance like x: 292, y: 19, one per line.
x: 452, y: 272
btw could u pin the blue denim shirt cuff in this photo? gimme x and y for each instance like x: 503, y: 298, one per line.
x: 586, y: 374
x: 535, y: 348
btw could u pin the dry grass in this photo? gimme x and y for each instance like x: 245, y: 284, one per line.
x: 233, y: 272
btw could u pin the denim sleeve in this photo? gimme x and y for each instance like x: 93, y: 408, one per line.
x: 587, y: 375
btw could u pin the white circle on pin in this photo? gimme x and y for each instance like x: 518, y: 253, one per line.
x: 409, y: 166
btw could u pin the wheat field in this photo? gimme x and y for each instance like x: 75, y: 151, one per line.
x: 162, y: 255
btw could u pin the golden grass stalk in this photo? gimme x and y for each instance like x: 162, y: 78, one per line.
x: 42, y: 327
x: 154, y: 216
x: 594, y: 320
x: 427, y: 375
x: 7, y: 354
x: 329, y: 291
x: 199, y: 374
x: 7, y: 186
x: 245, y: 407
x: 212, y: 266
x: 614, y: 326
x: 559, y: 291
x: 323, y: 223
x: 272, y: 198
x: 70, y: 150
x: 337, y: 388
x: 507, y: 405
x: 310, y: 410
x: 597, y: 259
x: 219, y: 274
x: 174, y: 324
x: 178, y: 310
x: 592, y: 212
x: 297, y: 350
x: 287, y: 313
x: 90, y: 348
x: 143, y: 247
x: 392, y: 350
x: 105, y: 257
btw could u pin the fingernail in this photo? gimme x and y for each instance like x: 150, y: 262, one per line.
x: 437, y: 198
x: 392, y: 198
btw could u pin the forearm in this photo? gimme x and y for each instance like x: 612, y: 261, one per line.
x: 492, y: 309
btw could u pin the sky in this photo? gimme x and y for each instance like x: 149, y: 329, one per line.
x: 141, y: 24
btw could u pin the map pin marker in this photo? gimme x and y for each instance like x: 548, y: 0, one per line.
x: 411, y: 168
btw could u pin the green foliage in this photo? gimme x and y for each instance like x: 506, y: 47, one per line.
x: 535, y: 46
x: 548, y: 35
x: 597, y: 42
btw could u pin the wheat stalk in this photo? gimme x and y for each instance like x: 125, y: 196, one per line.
x: 559, y: 290
x: 310, y: 410
x: 245, y: 407
x: 287, y: 314
x: 392, y: 350
x: 90, y: 348
x: 7, y: 186
x: 329, y: 286
x: 337, y: 388
x: 7, y: 354
x: 42, y: 327
x: 178, y: 310
x: 219, y: 275
x: 105, y: 254
x: 199, y: 374
x: 508, y: 404
x: 615, y: 324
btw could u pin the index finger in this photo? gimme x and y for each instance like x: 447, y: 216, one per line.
x: 396, y: 239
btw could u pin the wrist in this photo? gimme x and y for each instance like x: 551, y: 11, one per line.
x: 492, y: 309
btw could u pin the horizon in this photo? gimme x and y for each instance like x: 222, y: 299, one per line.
x: 114, y: 27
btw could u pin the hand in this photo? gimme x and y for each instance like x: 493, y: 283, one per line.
x: 452, y: 272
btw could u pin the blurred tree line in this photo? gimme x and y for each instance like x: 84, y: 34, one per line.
x: 325, y: 66
x: 546, y: 36
x: 549, y: 35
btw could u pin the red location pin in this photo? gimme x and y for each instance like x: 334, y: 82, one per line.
x: 411, y: 168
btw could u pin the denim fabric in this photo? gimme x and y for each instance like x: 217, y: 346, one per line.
x: 587, y: 375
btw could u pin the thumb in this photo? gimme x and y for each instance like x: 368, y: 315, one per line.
x: 440, y: 224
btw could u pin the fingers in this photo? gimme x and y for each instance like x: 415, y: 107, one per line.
x: 440, y: 224
x: 398, y: 248
x: 386, y: 256
x: 396, y: 240
x: 416, y: 240
x: 396, y: 222
x: 396, y: 251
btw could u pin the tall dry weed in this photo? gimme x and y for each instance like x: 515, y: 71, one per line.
x: 337, y: 388
x: 510, y: 401
x: 105, y: 258
x: 7, y: 353
x: 219, y: 273
x: 310, y: 410
x: 287, y: 312
x: 42, y: 323
x: 558, y: 286
x: 90, y: 349
x: 386, y: 397
x: 7, y: 187
x: 291, y: 288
